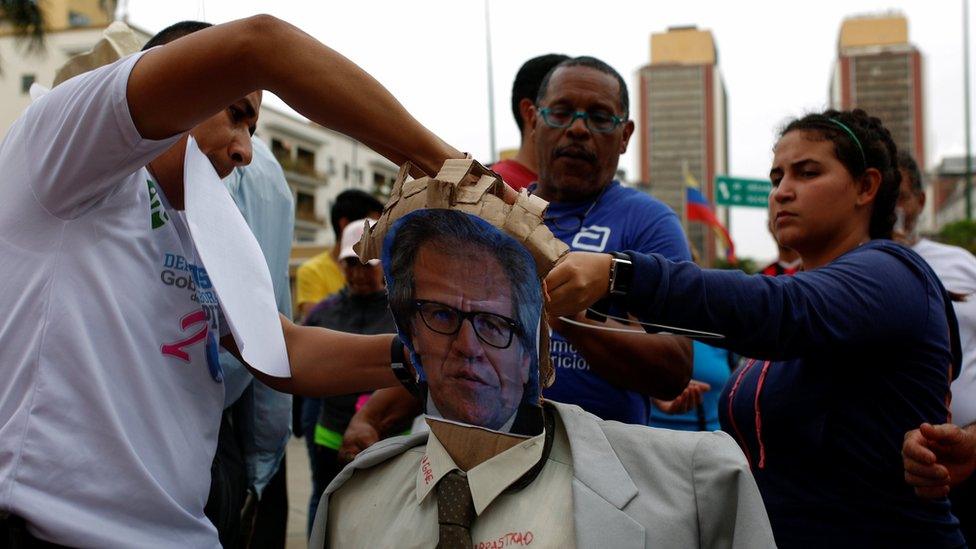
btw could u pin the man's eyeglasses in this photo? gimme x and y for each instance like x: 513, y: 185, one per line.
x: 491, y: 329
x: 596, y: 121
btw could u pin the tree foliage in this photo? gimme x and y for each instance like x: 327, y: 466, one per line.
x: 959, y: 233
x: 746, y: 264
x: 27, y: 21
x: 26, y: 18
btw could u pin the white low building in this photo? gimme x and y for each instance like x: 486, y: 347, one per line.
x: 319, y: 164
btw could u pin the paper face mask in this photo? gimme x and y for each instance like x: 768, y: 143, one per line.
x: 467, y: 302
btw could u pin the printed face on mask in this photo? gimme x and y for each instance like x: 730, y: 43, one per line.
x: 465, y: 332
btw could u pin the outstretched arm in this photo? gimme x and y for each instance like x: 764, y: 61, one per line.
x: 760, y: 316
x: 175, y: 87
x: 326, y: 362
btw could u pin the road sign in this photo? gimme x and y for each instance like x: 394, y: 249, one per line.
x: 736, y: 191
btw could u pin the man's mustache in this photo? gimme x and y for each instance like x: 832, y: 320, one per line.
x: 575, y: 151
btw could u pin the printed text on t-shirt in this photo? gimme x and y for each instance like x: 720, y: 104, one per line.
x: 180, y: 273
x: 564, y: 355
x: 176, y: 349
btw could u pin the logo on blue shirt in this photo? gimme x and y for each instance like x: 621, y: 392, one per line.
x: 591, y: 239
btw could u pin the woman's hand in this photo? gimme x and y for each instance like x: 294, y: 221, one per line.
x: 578, y: 280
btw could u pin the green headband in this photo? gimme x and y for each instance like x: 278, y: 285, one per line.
x: 841, y: 125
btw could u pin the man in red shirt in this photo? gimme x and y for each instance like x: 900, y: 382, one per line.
x: 520, y: 172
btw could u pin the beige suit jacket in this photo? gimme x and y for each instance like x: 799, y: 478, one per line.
x: 633, y: 486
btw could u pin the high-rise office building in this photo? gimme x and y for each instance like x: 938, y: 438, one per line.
x: 880, y: 71
x: 682, y: 124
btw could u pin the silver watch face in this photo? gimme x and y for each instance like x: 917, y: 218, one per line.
x: 614, y: 275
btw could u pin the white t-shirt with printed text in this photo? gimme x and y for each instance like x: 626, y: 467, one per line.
x: 109, y: 412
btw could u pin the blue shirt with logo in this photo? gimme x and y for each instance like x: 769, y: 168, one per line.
x: 620, y: 219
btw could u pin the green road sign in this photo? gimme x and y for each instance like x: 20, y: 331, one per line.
x: 736, y: 191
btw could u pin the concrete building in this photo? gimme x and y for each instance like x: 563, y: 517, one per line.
x: 880, y: 71
x: 72, y: 27
x: 682, y: 124
x: 319, y: 164
x: 946, y: 194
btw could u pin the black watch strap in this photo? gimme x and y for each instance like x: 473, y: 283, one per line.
x: 621, y: 274
x: 401, y: 367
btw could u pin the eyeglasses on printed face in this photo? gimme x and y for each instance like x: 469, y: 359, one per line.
x: 596, y: 121
x: 491, y: 329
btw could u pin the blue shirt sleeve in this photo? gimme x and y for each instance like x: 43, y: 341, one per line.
x: 865, y: 296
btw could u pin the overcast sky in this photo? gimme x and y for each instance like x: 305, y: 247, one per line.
x: 776, y: 58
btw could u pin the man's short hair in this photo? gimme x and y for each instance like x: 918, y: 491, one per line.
x: 353, y: 204
x: 907, y: 162
x: 528, y: 80
x: 593, y: 63
x: 175, y: 31
x: 456, y: 233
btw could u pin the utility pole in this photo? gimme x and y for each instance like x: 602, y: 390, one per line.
x: 969, y: 139
x: 491, y: 86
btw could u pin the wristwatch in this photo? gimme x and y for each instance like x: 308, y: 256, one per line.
x: 621, y: 274
x: 400, y: 365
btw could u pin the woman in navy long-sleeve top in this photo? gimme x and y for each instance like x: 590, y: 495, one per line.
x: 851, y: 354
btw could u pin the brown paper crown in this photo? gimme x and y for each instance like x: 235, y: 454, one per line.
x: 465, y: 185
x: 118, y: 40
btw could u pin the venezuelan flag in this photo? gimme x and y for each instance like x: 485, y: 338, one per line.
x: 699, y: 209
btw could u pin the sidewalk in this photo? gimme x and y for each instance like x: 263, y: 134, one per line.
x: 299, y: 490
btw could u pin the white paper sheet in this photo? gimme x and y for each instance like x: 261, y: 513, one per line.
x: 235, y: 265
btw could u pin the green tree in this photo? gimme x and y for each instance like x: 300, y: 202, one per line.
x: 27, y: 20
x: 746, y: 264
x: 959, y: 233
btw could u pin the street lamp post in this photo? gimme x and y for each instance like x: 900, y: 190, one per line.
x: 969, y: 148
x: 491, y: 86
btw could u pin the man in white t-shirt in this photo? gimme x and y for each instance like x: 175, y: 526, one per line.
x: 110, y: 387
x: 956, y: 268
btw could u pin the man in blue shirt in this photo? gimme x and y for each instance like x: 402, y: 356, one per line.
x: 258, y: 416
x: 581, y: 128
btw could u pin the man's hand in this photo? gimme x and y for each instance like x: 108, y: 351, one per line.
x: 938, y: 457
x: 689, y: 399
x: 387, y: 412
x: 360, y: 434
x: 579, y: 280
x: 658, y: 366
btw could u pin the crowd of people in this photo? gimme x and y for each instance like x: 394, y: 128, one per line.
x: 838, y: 407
